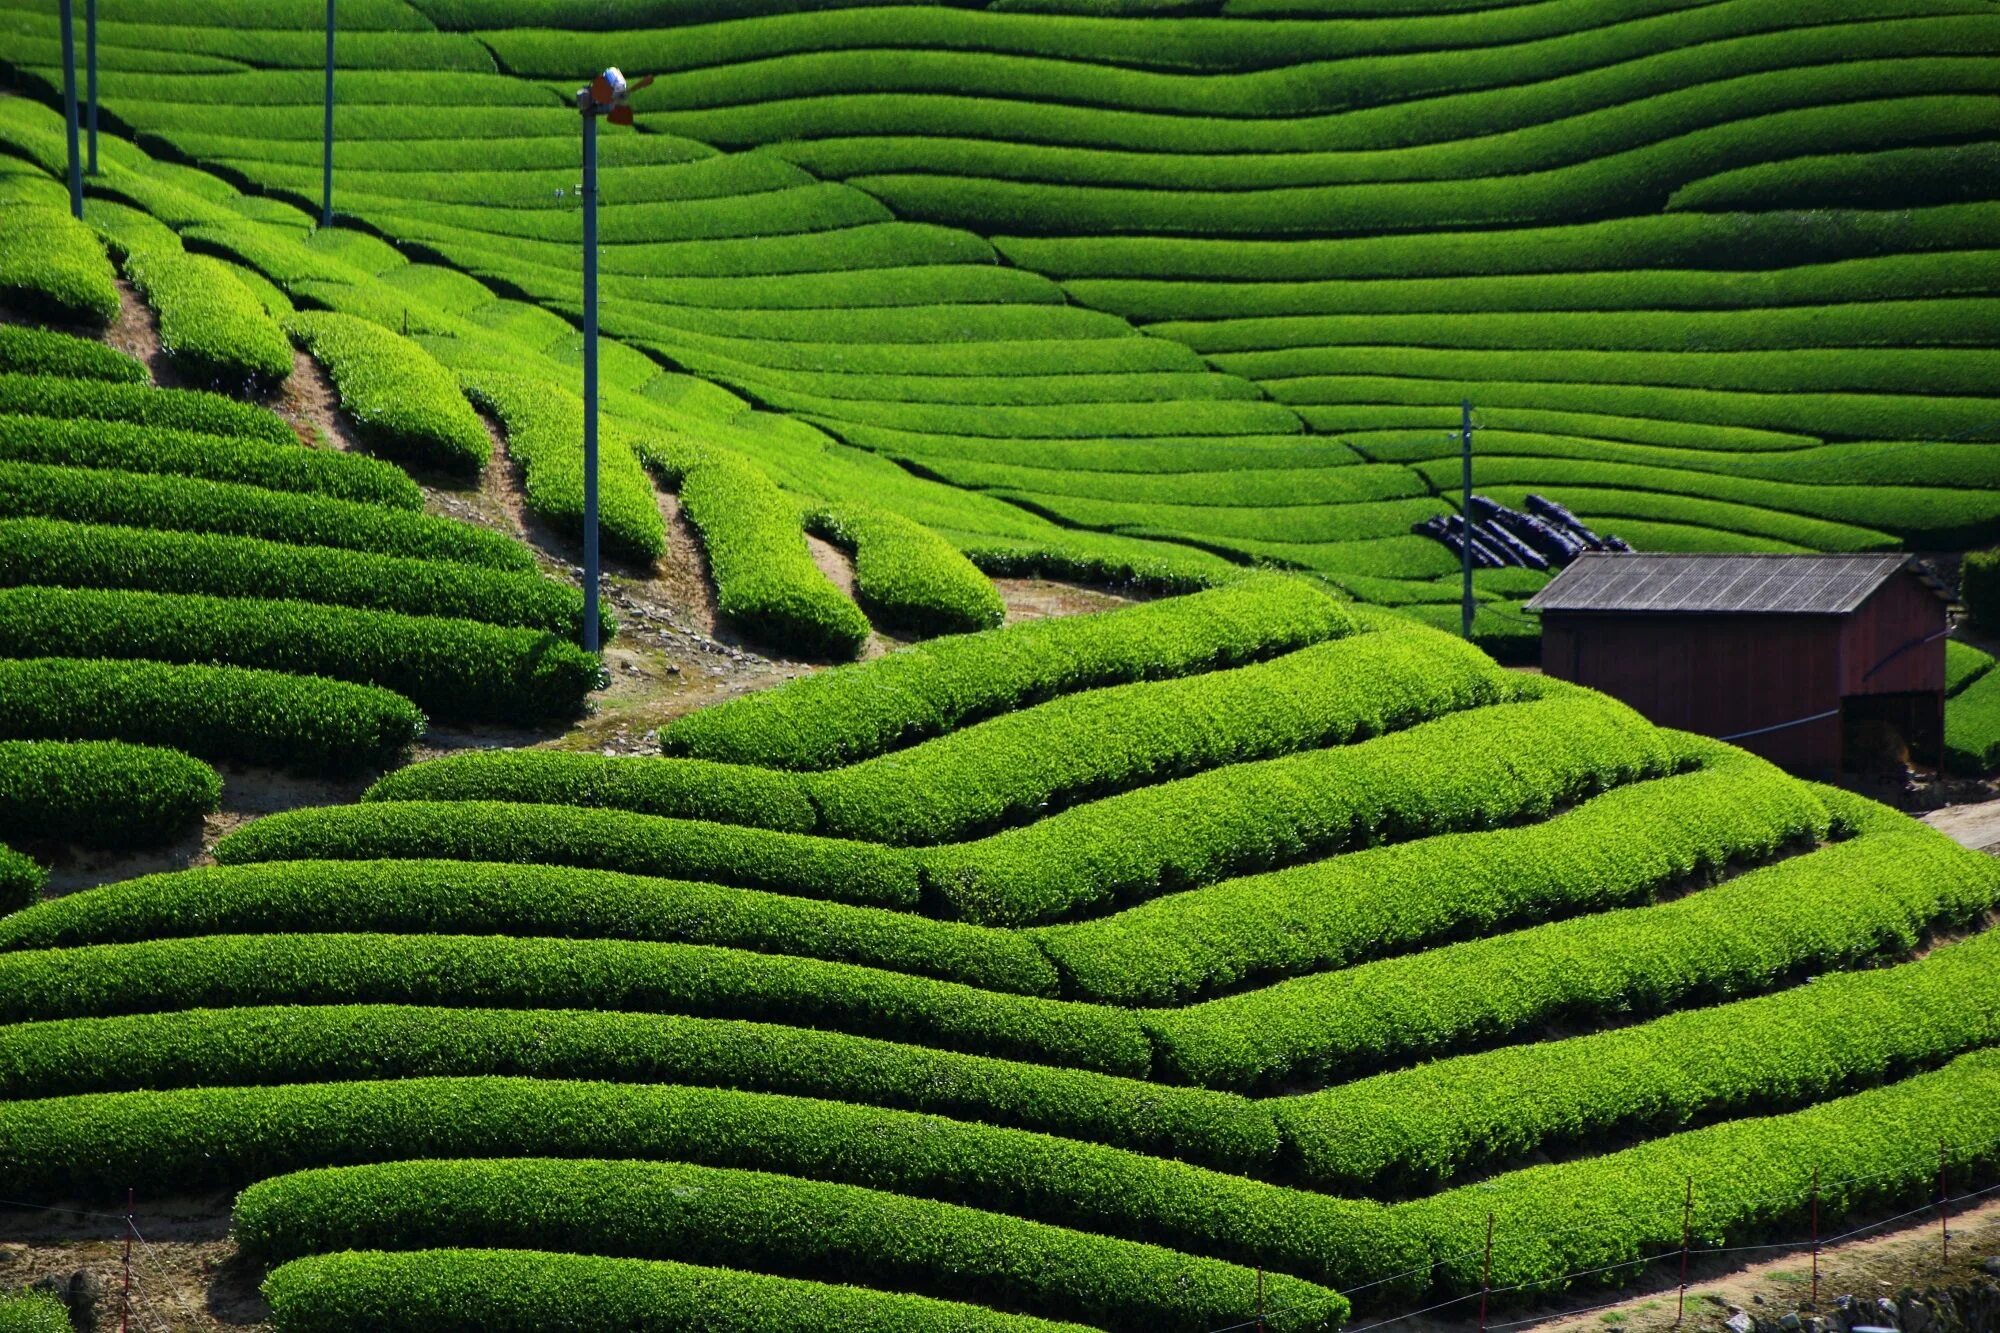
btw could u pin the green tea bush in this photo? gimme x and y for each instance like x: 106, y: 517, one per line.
x: 328, y: 1043
x: 1423, y: 1126
x: 1874, y: 894
x: 208, y: 1137
x: 1471, y: 770
x: 141, y: 405
x: 513, y: 1291
x: 545, y: 436
x: 225, y: 970
x: 1752, y: 1179
x: 907, y: 576
x: 33, y: 1312
x: 1979, y: 586
x: 21, y: 881
x: 53, y: 266
x: 212, y: 327
x: 457, y: 669
x: 501, y: 898
x: 405, y: 404
x: 31, y: 351
x: 679, y: 788
x: 83, y: 555
x: 755, y: 858
x: 101, y: 793
x: 123, y: 447
x: 233, y: 713
x: 1963, y: 665
x: 1614, y: 850
x: 853, y: 713
x: 1023, y: 765
x: 1972, y: 726
x: 136, y: 500
x: 763, y: 1222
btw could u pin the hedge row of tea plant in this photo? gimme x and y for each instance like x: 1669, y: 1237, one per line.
x: 202, y: 1138
x: 119, y: 446
x: 138, y: 500
x: 33, y: 1312
x: 471, y: 1291
x: 220, y: 713
x: 212, y: 327
x: 1424, y: 1126
x: 225, y: 970
x: 755, y: 858
x: 101, y: 793
x: 54, y: 266
x: 85, y: 555
x: 1624, y: 847
x: 21, y: 880
x: 457, y: 669
x: 678, y: 788
x: 1874, y: 894
x: 501, y: 898
x: 403, y: 402
x: 141, y: 405
x: 329, y: 1043
x: 856, y: 712
x: 907, y: 576
x: 30, y: 351
x: 769, y: 1223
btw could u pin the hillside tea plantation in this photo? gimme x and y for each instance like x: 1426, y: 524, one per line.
x: 1090, y: 883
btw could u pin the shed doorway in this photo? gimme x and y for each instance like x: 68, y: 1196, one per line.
x: 1881, y: 733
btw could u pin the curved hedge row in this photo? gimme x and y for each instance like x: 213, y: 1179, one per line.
x: 1469, y: 770
x: 101, y: 793
x: 1751, y: 1178
x: 839, y: 717
x: 1425, y: 1125
x: 51, y: 553
x: 222, y: 970
x: 1021, y: 765
x: 31, y: 351
x: 212, y: 327
x: 207, y: 1137
x: 1873, y: 894
x: 131, y: 499
x: 754, y: 858
x: 142, y: 405
x: 449, y: 668
x: 507, y: 1291
x: 120, y: 446
x: 908, y: 576
x: 404, y: 403
x: 21, y: 881
x: 499, y: 898
x: 330, y: 1043
x: 237, y: 713
x: 33, y: 1312
x: 53, y: 265
x: 1623, y: 847
x: 755, y: 1220
x: 680, y: 788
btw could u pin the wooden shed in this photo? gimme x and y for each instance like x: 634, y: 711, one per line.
x: 1816, y: 662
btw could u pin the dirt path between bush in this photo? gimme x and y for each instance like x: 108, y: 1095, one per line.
x: 1976, y: 826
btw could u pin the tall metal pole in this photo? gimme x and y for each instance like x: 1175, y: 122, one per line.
x: 326, y: 152
x: 590, y: 378
x: 90, y: 64
x: 68, y: 17
x: 1465, y: 514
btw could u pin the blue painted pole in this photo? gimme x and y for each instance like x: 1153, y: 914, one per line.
x: 90, y: 64
x: 590, y: 378
x: 1465, y: 513
x: 326, y: 154
x: 68, y: 16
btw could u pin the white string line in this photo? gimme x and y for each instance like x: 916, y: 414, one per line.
x: 153, y: 1256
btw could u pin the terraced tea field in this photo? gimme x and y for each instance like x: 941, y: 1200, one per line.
x: 1243, y: 957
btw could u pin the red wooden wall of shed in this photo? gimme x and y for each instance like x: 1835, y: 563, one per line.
x: 1900, y: 614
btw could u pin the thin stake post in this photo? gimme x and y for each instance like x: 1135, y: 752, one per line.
x: 90, y: 77
x: 1944, y: 1210
x: 67, y: 17
x: 1465, y: 514
x: 1687, y: 1243
x: 1486, y: 1274
x: 125, y: 1293
x: 1815, y: 1239
x: 590, y: 635
x: 326, y: 147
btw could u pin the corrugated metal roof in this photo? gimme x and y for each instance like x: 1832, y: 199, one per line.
x: 1720, y: 584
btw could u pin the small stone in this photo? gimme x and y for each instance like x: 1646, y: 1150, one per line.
x: 673, y: 669
x: 1791, y: 1323
x: 1756, y: 1299
x: 1740, y: 1322
x: 1991, y: 1264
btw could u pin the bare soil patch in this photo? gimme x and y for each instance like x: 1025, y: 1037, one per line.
x: 1037, y: 599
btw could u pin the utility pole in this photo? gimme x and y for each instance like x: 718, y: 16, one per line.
x: 90, y: 64
x: 326, y: 153
x: 68, y: 18
x: 1465, y: 514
